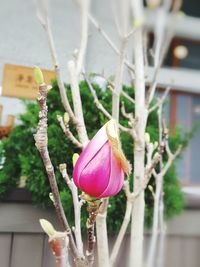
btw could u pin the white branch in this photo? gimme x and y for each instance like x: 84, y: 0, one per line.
x: 68, y: 133
x: 102, y: 238
x: 77, y: 208
x: 137, y: 223
x: 100, y: 106
x: 121, y: 233
x: 111, y: 86
x: 77, y: 103
x: 160, y: 101
x: 85, y: 6
x: 44, y: 20
x: 118, y: 81
x: 109, y: 41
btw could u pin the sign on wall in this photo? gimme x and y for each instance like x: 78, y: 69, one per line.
x: 18, y: 81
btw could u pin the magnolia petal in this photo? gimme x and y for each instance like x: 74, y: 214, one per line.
x: 116, y: 179
x: 112, y: 134
x: 89, y: 152
x: 95, y: 176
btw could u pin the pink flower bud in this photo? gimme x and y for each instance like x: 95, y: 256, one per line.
x: 99, y: 171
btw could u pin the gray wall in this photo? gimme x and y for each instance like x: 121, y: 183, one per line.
x: 23, y: 244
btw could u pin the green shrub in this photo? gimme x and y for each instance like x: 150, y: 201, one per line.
x: 22, y: 158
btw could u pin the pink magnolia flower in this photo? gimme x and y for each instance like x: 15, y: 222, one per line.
x: 99, y: 171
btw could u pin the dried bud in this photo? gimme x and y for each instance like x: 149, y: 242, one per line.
x: 38, y: 76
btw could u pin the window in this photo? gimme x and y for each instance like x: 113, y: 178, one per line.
x: 187, y: 114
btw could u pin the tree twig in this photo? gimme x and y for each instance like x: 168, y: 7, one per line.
x: 41, y: 142
x: 58, y: 242
x: 68, y: 133
x: 160, y: 101
x: 77, y: 208
x: 81, y: 129
x: 85, y: 6
x: 100, y: 106
x: 109, y: 41
x: 93, y: 208
x: 44, y: 20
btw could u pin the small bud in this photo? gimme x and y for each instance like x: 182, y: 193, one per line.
x: 59, y: 118
x: 150, y: 187
x: 47, y: 227
x: 38, y: 76
x: 156, y: 155
x: 51, y: 197
x: 66, y: 118
x: 52, y: 233
x: 166, y: 131
x: 147, y: 138
x: 75, y: 158
x: 137, y: 23
x: 180, y: 52
x: 155, y: 145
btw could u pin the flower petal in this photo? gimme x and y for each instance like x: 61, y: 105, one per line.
x: 95, y: 176
x: 89, y: 152
x: 116, y: 179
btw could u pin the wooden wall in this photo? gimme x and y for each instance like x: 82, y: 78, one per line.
x: 23, y: 244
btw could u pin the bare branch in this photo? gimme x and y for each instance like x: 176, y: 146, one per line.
x: 41, y: 142
x: 111, y: 86
x: 93, y: 209
x: 77, y: 103
x: 44, y: 20
x: 170, y: 160
x: 77, y: 208
x: 162, y: 48
x: 58, y: 242
x: 100, y: 106
x: 101, y: 227
x: 121, y: 233
x: 160, y: 101
x: 118, y: 81
x: 109, y: 41
x: 85, y: 5
x: 68, y: 133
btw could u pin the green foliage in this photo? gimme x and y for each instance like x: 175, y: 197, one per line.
x: 22, y: 157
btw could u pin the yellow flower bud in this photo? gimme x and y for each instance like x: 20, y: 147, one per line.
x: 75, y: 158
x: 66, y: 118
x: 38, y: 76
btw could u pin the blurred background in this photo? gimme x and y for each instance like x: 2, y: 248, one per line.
x: 23, y: 45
